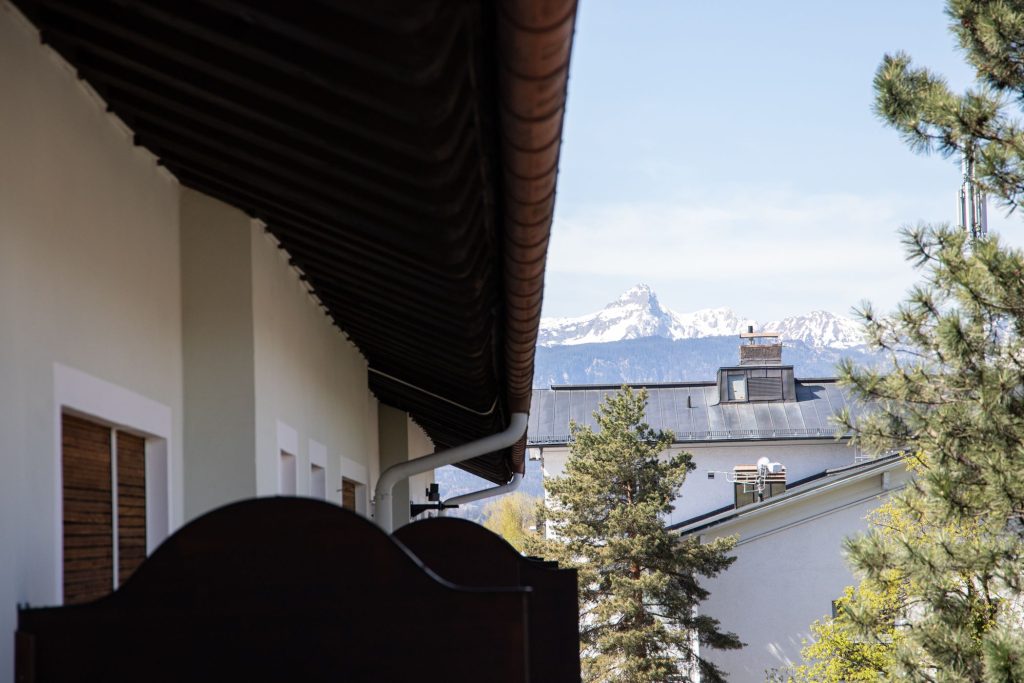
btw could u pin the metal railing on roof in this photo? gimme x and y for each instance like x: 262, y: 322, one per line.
x: 718, y: 435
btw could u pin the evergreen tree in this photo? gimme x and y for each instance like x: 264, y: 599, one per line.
x: 980, y: 122
x: 955, y: 393
x: 638, y: 582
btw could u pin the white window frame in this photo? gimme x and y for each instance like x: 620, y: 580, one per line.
x: 79, y: 393
x: 317, y: 459
x: 730, y: 386
x: 287, y: 444
x: 359, y: 474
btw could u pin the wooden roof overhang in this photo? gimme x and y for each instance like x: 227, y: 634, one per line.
x: 403, y: 152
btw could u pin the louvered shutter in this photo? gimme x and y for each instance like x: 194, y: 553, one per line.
x: 348, y: 495
x: 88, y: 516
x: 764, y: 388
x: 131, y: 503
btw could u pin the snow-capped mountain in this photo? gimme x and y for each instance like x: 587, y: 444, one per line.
x: 638, y: 314
x: 635, y: 315
x: 819, y: 329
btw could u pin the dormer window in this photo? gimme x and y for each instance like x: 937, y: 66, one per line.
x: 750, y: 384
x: 760, y: 376
x: 736, y: 386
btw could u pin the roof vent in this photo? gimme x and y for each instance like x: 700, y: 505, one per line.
x: 761, y: 348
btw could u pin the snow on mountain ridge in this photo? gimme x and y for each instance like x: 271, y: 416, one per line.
x: 820, y: 329
x: 637, y: 313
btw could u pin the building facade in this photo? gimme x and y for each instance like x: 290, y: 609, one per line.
x: 789, y: 563
x: 789, y: 519
x: 211, y: 272
x: 756, y: 409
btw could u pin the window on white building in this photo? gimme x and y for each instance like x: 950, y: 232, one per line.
x: 317, y: 482
x: 737, y: 386
x: 348, y: 494
x: 746, y: 489
x: 104, y: 501
x: 286, y: 474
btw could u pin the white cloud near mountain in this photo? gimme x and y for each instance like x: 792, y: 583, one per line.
x: 800, y: 251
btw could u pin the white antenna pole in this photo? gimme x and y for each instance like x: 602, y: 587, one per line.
x: 972, y: 213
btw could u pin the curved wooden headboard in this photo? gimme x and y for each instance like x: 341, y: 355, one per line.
x: 286, y: 589
x: 468, y: 554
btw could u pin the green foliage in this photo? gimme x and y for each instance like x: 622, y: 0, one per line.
x: 957, y: 394
x: 513, y: 517
x: 838, y: 653
x: 950, y: 564
x: 858, y: 644
x: 638, y: 582
x: 982, y: 121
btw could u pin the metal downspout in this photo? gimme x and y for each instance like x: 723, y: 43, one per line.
x: 382, y: 510
x: 517, y: 479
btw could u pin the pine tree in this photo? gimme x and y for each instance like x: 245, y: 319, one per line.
x: 638, y: 582
x: 981, y: 122
x: 956, y: 398
x: 955, y: 394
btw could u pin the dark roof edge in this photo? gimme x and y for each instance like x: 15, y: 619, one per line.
x: 675, y: 385
x: 534, y: 47
x: 734, y: 439
x: 693, y: 520
x: 790, y: 494
x: 631, y: 385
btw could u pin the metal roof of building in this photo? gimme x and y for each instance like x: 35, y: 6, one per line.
x: 693, y: 413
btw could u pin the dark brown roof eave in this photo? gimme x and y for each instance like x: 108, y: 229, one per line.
x: 534, y: 44
x: 403, y: 153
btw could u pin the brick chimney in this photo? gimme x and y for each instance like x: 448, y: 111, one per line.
x: 761, y: 348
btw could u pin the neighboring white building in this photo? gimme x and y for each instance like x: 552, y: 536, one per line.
x: 228, y: 270
x: 752, y: 410
x: 790, y: 565
x: 789, y: 562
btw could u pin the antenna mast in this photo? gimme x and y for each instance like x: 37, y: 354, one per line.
x: 972, y: 215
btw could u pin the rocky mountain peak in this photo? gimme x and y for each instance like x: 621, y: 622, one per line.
x: 637, y: 313
x: 640, y: 295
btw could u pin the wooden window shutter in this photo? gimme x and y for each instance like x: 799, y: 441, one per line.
x: 131, y: 504
x: 765, y: 388
x: 348, y: 494
x: 88, y: 516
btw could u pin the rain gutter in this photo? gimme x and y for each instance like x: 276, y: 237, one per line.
x: 382, y: 502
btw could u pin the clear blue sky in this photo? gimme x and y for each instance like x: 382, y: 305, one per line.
x: 727, y: 155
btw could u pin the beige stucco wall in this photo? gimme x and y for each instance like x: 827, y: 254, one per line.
x: 217, y: 311
x: 308, y: 377
x: 89, y: 280
x: 266, y: 371
x: 152, y: 307
x: 108, y: 271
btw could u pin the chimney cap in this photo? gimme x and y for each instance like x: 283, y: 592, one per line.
x: 750, y: 334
